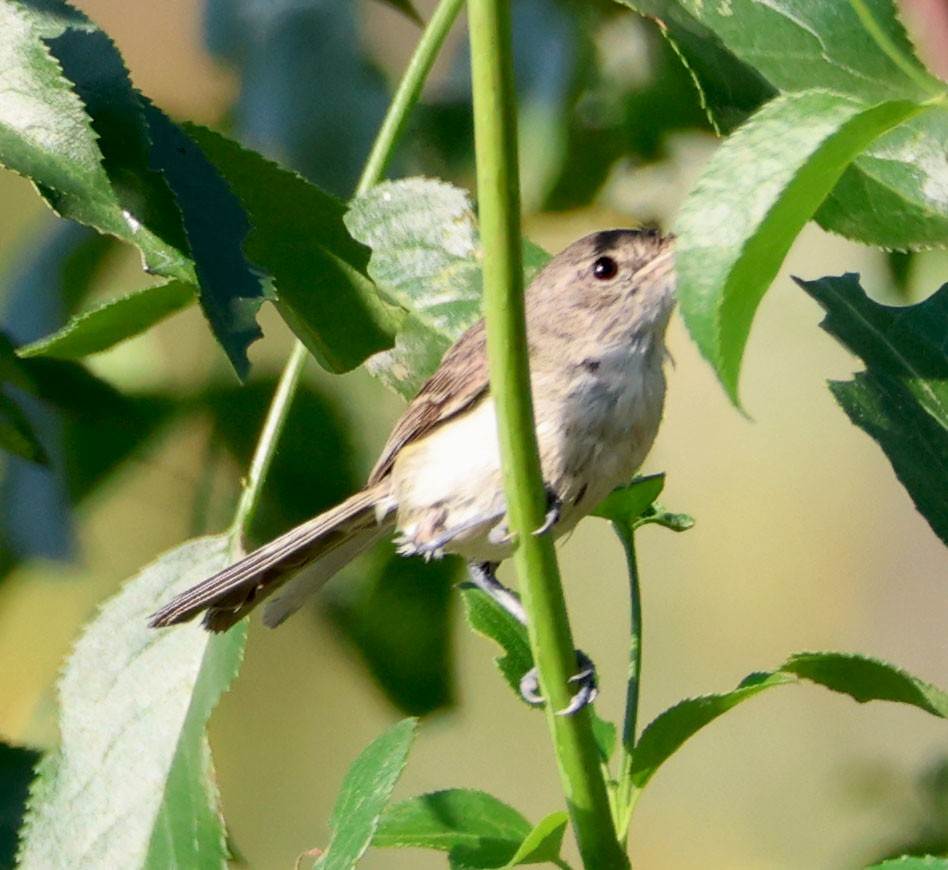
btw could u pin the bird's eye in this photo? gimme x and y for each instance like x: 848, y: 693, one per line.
x: 605, y: 268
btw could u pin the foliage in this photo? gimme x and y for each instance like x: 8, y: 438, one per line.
x: 830, y: 116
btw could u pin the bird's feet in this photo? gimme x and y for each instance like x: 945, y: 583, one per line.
x: 584, y: 679
x: 554, y: 507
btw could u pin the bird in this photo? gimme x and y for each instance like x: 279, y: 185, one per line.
x: 596, y: 318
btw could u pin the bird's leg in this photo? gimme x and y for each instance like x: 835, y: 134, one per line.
x: 483, y: 577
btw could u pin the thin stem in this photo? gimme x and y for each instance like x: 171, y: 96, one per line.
x: 408, y: 91
x: 266, y: 444
x: 548, y: 625
x: 387, y: 139
x: 630, y: 722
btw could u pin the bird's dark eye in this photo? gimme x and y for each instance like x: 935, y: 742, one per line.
x: 605, y: 268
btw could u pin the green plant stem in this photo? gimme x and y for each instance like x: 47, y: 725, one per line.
x: 393, y: 125
x: 630, y: 722
x: 408, y: 92
x: 548, y: 627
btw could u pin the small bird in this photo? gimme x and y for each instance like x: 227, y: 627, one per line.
x: 596, y: 318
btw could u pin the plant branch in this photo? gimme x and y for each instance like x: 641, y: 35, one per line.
x: 548, y: 627
x: 626, y: 535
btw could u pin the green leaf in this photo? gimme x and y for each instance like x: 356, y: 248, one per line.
x: 728, y: 88
x: 397, y: 614
x: 488, y: 618
x: 319, y: 270
x: 16, y: 431
x: 103, y: 156
x: 857, y: 48
x: 759, y: 189
x: 894, y: 194
x: 604, y: 733
x: 70, y: 122
x: 913, y: 862
x: 425, y: 258
x: 543, y: 843
x: 901, y: 399
x: 627, y: 504
x: 113, y: 321
x: 863, y: 679
x: 665, y: 734
x: 365, y: 792
x: 474, y: 828
x: 231, y: 289
x: 17, y: 764
x: 131, y: 783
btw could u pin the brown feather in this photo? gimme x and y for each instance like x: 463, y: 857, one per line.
x: 461, y: 379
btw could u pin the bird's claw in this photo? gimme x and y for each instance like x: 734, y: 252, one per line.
x: 585, y: 678
x: 554, y: 507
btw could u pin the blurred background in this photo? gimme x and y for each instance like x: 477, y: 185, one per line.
x: 804, y: 540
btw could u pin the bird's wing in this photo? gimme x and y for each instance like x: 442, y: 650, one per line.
x: 460, y: 380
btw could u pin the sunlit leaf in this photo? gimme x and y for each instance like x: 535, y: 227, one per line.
x: 131, y: 783
x: 759, y: 189
x: 474, y: 828
x: 425, y: 258
x: 364, y: 795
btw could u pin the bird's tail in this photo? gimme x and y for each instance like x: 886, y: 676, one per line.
x: 322, y: 545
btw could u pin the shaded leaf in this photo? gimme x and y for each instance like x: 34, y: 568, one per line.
x: 901, y: 399
x: 425, y: 258
x: 474, y: 828
x: 131, y: 783
x: 17, y: 764
x: 114, y: 321
x: 365, y: 792
x: 231, y: 289
x: 729, y: 88
x: 397, y: 614
x: 752, y: 200
x: 314, y: 468
x: 319, y: 270
x: 16, y: 431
